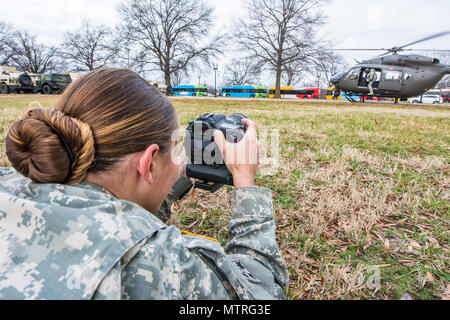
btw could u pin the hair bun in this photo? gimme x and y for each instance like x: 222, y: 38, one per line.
x: 40, y: 146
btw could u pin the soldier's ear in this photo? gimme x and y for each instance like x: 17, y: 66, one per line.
x: 146, y: 163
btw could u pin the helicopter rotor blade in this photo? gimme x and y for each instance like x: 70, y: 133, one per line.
x: 382, y: 55
x: 437, y: 35
x: 395, y: 50
x: 428, y: 50
x: 358, y: 49
x: 381, y: 49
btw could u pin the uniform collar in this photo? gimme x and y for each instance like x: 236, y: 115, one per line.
x: 96, y: 187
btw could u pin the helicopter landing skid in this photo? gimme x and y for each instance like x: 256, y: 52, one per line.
x: 349, y: 97
x: 363, y: 99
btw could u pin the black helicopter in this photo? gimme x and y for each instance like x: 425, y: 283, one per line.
x: 397, y: 76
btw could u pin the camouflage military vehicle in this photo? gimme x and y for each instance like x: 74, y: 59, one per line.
x: 35, y: 78
x: 13, y: 81
x: 53, y: 83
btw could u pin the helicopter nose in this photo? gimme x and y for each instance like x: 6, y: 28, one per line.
x: 336, y: 78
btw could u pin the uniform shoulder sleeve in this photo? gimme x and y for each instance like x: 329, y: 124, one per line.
x: 175, y: 266
x: 252, y: 240
x: 166, y: 267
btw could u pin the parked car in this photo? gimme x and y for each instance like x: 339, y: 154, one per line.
x: 426, y: 98
x: 53, y: 83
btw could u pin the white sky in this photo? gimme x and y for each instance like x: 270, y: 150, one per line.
x: 351, y: 23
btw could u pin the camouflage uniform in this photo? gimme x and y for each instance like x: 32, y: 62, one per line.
x: 80, y: 242
x: 371, y: 77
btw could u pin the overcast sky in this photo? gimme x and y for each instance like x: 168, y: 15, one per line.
x: 351, y: 23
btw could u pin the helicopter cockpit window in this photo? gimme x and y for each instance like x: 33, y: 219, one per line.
x: 392, y: 75
x: 352, y: 74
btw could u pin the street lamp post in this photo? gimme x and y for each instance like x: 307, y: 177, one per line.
x: 215, y: 80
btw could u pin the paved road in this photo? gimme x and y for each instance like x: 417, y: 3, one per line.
x: 300, y: 101
x: 303, y: 101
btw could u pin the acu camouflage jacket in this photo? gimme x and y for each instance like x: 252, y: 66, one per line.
x: 80, y: 242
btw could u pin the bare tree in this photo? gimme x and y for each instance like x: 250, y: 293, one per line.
x: 444, y: 83
x: 6, y: 43
x: 178, y: 77
x: 169, y: 35
x: 444, y: 58
x: 326, y: 64
x: 279, y: 32
x: 90, y: 47
x: 29, y: 55
x: 294, y: 72
x: 242, y: 72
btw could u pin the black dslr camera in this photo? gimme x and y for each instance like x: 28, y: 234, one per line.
x: 205, y: 161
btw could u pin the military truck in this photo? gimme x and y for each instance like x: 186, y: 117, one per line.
x: 14, y: 81
x: 53, y: 83
x: 35, y: 78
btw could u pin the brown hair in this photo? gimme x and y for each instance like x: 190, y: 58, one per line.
x: 101, y: 117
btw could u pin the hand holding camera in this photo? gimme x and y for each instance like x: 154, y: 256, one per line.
x: 241, y: 158
x: 222, y: 150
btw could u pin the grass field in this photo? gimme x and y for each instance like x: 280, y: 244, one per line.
x: 361, y: 196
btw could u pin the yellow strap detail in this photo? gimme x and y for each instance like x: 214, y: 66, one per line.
x: 197, y: 235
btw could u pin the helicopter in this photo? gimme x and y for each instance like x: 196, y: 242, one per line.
x: 397, y: 76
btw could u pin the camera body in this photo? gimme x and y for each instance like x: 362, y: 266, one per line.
x: 205, y: 161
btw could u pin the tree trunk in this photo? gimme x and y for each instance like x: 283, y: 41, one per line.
x: 166, y: 69
x: 167, y: 78
x: 278, y: 83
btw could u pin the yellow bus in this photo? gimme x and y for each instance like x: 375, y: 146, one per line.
x: 303, y: 93
x: 331, y: 94
x: 289, y: 93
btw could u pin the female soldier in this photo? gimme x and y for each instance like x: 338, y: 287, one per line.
x: 76, y: 222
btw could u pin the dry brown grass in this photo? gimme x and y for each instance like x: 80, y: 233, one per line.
x: 360, y: 189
